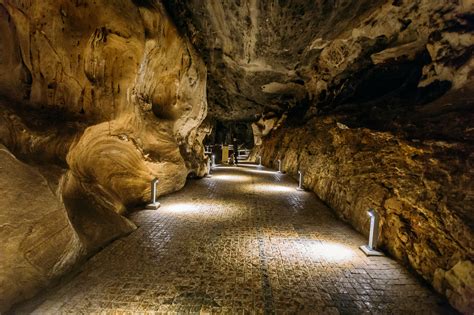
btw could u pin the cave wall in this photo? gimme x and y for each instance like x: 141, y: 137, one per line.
x: 388, y: 126
x: 422, y: 192
x: 109, y: 96
x: 100, y: 97
x: 254, y: 48
x: 373, y: 100
x: 38, y: 240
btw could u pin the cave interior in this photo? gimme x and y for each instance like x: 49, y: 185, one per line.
x: 371, y: 100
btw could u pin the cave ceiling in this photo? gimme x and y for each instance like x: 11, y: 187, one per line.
x: 261, y: 55
x: 373, y: 61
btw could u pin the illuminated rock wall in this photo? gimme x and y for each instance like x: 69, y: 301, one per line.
x: 110, y: 96
x: 421, y: 190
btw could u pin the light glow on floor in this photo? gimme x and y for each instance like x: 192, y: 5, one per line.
x: 314, y: 250
x: 330, y: 251
x: 181, y: 207
x: 272, y: 188
x: 231, y: 178
x: 263, y: 172
x: 250, y: 165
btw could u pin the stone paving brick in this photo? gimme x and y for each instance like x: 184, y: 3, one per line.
x: 241, y: 242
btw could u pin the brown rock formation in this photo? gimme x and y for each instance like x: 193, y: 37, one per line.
x: 417, y: 189
x: 38, y: 241
x: 371, y: 99
x: 397, y: 74
x: 110, y: 94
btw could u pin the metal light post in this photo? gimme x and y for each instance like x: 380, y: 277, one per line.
x: 300, y: 183
x: 279, y: 166
x: 370, y: 249
x: 154, y: 204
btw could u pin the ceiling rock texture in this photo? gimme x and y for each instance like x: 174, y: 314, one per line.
x: 371, y: 99
x: 108, y: 95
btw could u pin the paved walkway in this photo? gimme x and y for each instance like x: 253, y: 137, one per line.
x: 242, y: 242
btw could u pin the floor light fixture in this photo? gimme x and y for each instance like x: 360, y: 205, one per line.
x: 154, y: 204
x: 370, y: 249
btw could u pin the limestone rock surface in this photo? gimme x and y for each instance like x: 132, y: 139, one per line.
x: 310, y: 57
x: 111, y: 94
x: 38, y: 241
x: 394, y: 78
x: 422, y: 192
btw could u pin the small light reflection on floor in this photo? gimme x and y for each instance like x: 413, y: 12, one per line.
x: 263, y: 172
x: 329, y: 251
x: 315, y: 250
x: 231, y: 178
x: 250, y: 165
x: 272, y: 188
x: 180, y: 207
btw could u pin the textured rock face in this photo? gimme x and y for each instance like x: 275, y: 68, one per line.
x: 396, y: 75
x: 254, y: 49
x: 422, y: 192
x: 310, y: 57
x: 112, y: 96
x: 372, y: 99
x: 38, y: 241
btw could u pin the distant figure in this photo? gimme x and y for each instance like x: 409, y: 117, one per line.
x: 236, y: 151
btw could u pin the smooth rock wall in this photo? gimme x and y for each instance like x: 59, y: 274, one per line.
x: 38, y: 242
x: 109, y: 93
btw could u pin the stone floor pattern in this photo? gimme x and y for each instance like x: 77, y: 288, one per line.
x: 241, y: 242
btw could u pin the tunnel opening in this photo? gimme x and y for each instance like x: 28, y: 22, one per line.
x: 229, y: 141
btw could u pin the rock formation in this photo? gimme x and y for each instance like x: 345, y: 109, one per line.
x: 372, y: 100
x: 98, y: 98
x: 421, y: 191
x: 38, y: 241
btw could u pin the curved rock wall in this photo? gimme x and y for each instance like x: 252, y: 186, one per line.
x: 110, y: 94
x: 38, y: 241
